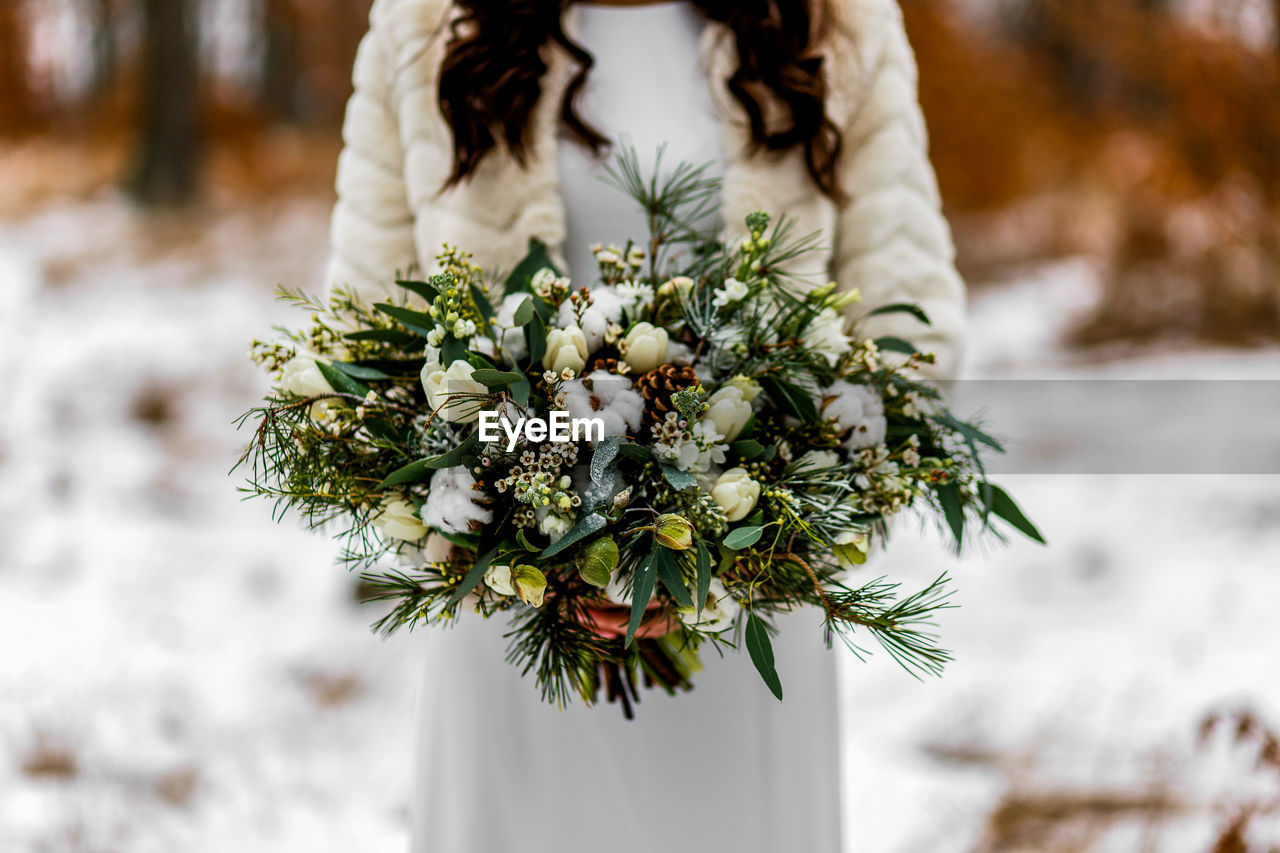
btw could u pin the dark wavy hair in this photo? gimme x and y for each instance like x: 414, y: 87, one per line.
x: 491, y: 78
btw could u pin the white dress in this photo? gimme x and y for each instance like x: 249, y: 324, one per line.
x: 725, y: 767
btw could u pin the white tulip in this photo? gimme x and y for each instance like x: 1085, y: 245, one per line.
x: 645, y: 347
x: 498, y: 579
x: 736, y: 493
x: 565, y: 348
x: 399, y: 519
x: 729, y: 411
x: 301, y: 377
x: 451, y: 389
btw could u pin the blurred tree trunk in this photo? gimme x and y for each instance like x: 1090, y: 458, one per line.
x: 106, y: 55
x: 278, y: 87
x: 168, y: 154
x: 17, y: 110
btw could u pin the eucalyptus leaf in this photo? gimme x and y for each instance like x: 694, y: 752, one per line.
x: 524, y: 313
x: 386, y: 336
x: 672, y: 579
x: 760, y: 648
x: 421, y: 288
x: 743, y: 537
x: 584, y: 527
x: 952, y: 509
x: 641, y: 592
x: 747, y: 449
x: 482, y: 303
x: 520, y: 392
x: 525, y: 543
x: 494, y: 379
x: 679, y: 480
x: 535, y: 335
x: 538, y: 257
x: 606, y: 451
x: 360, y: 372
x: 703, y: 564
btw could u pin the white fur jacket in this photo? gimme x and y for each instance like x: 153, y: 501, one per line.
x: 889, y: 239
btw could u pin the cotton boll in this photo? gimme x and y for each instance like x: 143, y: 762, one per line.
x: 610, y: 397
x: 859, y: 409
x: 450, y: 503
x: 605, y: 310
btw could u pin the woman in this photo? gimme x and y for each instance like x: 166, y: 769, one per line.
x: 482, y: 124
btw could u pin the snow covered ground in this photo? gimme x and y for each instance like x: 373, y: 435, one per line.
x: 181, y: 674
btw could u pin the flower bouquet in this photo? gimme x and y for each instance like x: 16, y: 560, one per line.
x: 629, y: 469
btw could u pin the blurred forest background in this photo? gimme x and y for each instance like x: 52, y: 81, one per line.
x: 1142, y: 133
x: 183, y: 674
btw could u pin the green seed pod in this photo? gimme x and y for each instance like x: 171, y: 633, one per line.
x: 674, y: 532
x: 530, y: 584
x: 598, y: 561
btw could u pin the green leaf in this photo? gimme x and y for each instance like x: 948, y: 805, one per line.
x: 743, y: 537
x: 482, y: 303
x: 789, y: 397
x: 493, y: 379
x: 891, y: 344
x: 341, y: 382
x: 359, y: 372
x: 386, y: 336
x: 520, y: 392
x: 524, y: 542
x: 952, y: 509
x: 585, y: 526
x: 451, y: 350
x: 748, y: 449
x: 414, y: 321
x: 471, y: 541
x: 524, y: 313
x: 1005, y: 507
x: 426, y: 291
x: 537, y: 257
x: 971, y: 433
x: 473, y: 576
x: 760, y: 647
x: 703, y: 557
x: 454, y: 457
x: 679, y: 480
x: 414, y: 472
x: 641, y: 592
x: 535, y: 335
x: 605, y: 453
x: 636, y: 452
x: 902, y: 308
x: 672, y: 579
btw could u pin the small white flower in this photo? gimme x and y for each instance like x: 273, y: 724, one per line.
x: 826, y: 336
x: 555, y: 526
x: 634, y: 296
x: 736, y: 493
x: 435, y: 337
x: 734, y: 291
x: 645, y: 347
x: 567, y: 374
x: 451, y: 391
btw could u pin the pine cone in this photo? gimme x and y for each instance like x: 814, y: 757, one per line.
x: 659, y: 384
x: 601, y: 363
